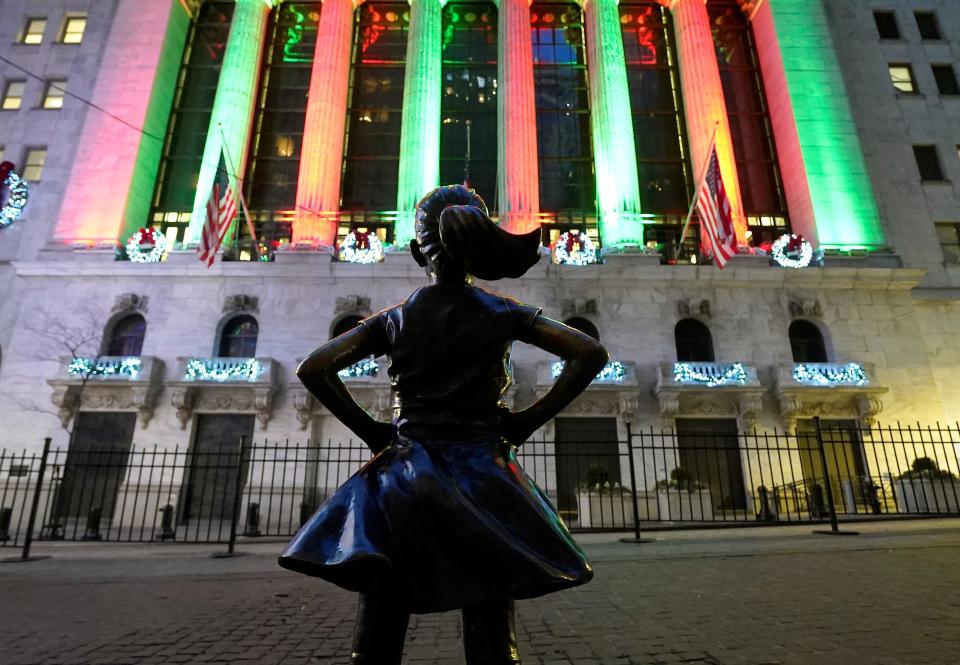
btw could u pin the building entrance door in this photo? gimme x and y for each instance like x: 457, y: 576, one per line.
x: 213, y: 465
x: 587, y: 453
x: 709, y: 453
x: 96, y: 463
x: 845, y: 464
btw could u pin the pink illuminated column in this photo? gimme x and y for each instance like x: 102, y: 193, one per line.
x: 318, y: 187
x: 518, y: 182
x: 703, y: 99
x: 109, y: 189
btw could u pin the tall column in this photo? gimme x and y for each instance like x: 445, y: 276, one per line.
x: 518, y: 177
x: 828, y: 190
x: 232, y: 117
x: 321, y: 157
x: 615, y: 157
x: 115, y: 167
x: 420, y: 131
x: 703, y: 100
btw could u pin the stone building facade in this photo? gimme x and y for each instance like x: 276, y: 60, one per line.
x: 838, y: 150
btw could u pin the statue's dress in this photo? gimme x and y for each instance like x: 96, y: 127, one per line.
x: 445, y: 517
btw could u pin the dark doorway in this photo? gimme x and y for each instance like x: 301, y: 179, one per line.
x: 710, y: 454
x: 806, y: 342
x: 694, y: 342
x: 588, y: 453
x: 845, y: 463
x: 96, y: 463
x: 213, y: 465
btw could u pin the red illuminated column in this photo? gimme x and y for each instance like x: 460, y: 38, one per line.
x: 703, y: 99
x: 318, y: 186
x: 518, y: 182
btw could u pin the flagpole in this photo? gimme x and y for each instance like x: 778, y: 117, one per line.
x: 696, y: 191
x: 243, y: 202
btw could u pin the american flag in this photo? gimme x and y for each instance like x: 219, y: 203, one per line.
x: 716, y: 221
x: 221, y: 209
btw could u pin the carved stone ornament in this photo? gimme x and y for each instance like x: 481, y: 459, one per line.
x: 138, y: 393
x: 240, y: 395
x: 808, y: 308
x: 358, y: 305
x: 305, y: 405
x: 130, y: 302
x: 694, y: 307
x: 798, y: 401
x: 579, y: 307
x: 241, y: 302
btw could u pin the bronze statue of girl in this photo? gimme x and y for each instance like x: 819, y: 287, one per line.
x: 443, y: 517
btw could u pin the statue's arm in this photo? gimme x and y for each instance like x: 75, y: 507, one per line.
x: 584, y: 357
x: 318, y: 373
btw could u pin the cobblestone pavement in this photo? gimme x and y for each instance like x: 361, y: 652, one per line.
x: 760, y: 596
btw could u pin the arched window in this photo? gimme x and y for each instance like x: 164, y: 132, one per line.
x: 345, y: 324
x: 585, y: 326
x: 806, y: 343
x: 239, y: 337
x: 694, y: 342
x: 126, y: 336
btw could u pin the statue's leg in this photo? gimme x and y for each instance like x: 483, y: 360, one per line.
x: 380, y: 630
x: 490, y: 634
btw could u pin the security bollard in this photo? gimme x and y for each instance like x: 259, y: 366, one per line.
x: 93, y: 524
x: 252, y: 526
x: 166, y: 524
x: 6, y: 514
x: 766, y: 514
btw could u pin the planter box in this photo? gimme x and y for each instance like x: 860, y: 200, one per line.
x: 681, y: 505
x: 927, y: 495
x: 605, y: 510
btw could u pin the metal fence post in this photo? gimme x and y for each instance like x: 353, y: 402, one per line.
x: 237, y: 492
x: 834, y: 526
x: 34, y: 507
x: 633, y: 491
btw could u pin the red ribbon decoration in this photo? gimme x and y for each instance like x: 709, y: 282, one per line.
x: 362, y: 240
x: 146, y: 237
x: 5, y: 169
x: 794, y: 245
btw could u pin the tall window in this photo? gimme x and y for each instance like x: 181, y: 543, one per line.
x: 760, y: 185
x: 278, y: 132
x: 73, y: 29
x: 927, y: 25
x: 946, y: 79
x: 13, y: 95
x: 376, y: 103
x: 694, y: 342
x: 928, y: 163
x: 239, y: 338
x: 887, y: 27
x: 567, y: 182
x: 655, y: 100
x: 33, y: 31
x: 901, y: 75
x: 187, y: 130
x: 806, y: 343
x: 468, y: 133
x: 54, y: 93
x: 126, y: 336
x: 33, y: 164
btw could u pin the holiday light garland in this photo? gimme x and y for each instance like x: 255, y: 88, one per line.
x: 791, y: 244
x: 850, y: 374
x: 147, y: 246
x: 611, y: 373
x: 361, y: 247
x: 574, y: 248
x: 85, y: 367
x: 19, y: 193
x: 361, y: 369
x: 223, y: 370
x: 688, y: 373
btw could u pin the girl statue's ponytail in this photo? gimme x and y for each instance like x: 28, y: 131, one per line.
x: 452, y: 224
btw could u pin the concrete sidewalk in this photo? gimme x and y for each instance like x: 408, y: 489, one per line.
x: 761, y: 596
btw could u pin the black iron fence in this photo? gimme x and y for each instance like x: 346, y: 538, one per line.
x: 653, y: 477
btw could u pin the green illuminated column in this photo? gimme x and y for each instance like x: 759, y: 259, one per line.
x: 814, y: 127
x: 420, y: 132
x: 618, y: 191
x: 233, y: 106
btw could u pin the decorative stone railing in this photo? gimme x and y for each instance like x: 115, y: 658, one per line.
x: 224, y: 385
x: 708, y: 389
x: 707, y: 375
x: 368, y: 368
x: 115, y: 383
x: 831, y: 390
x: 613, y: 372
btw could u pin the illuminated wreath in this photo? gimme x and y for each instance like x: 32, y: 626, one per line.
x: 792, y: 251
x: 361, y: 247
x: 574, y: 248
x: 17, y: 194
x: 146, y: 246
